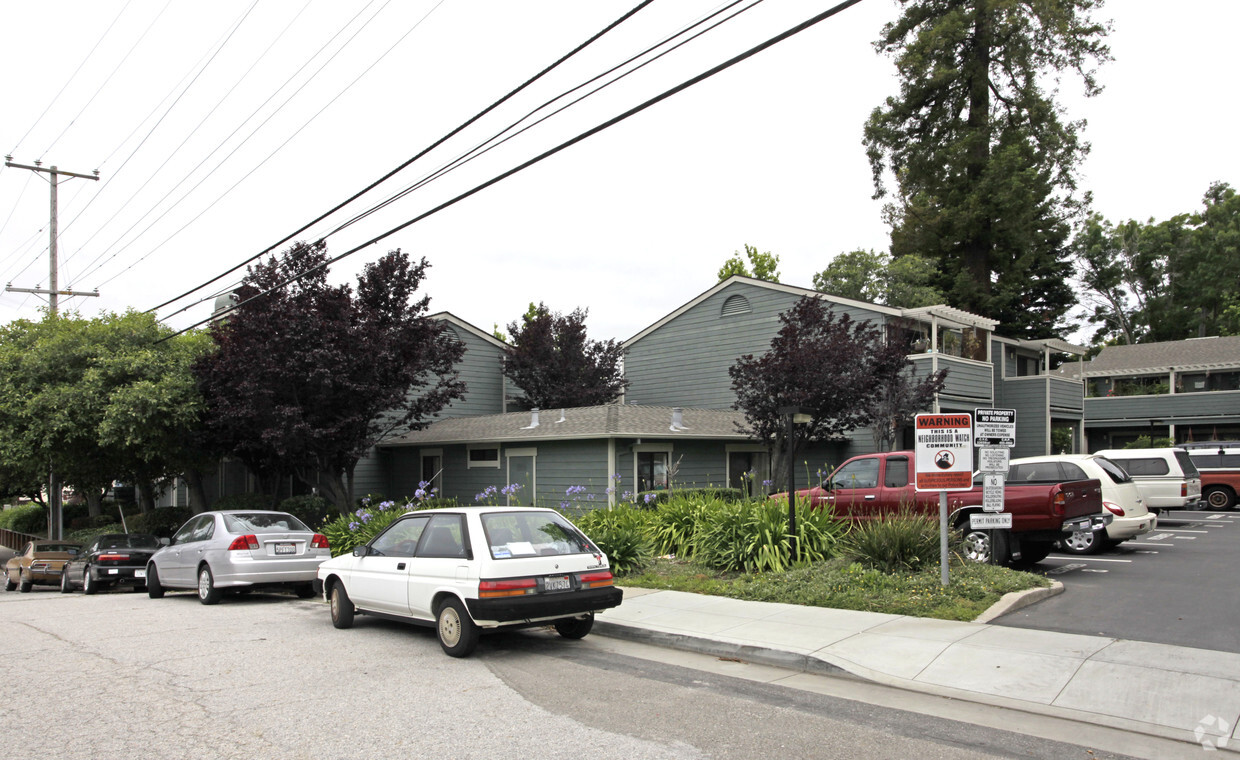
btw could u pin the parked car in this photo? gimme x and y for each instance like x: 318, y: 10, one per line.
x: 474, y: 568
x: 110, y: 559
x: 1120, y: 498
x: 1219, y: 465
x: 238, y: 550
x: 873, y: 485
x: 1166, y: 478
x: 38, y: 563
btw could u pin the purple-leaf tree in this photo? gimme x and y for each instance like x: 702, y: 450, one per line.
x: 836, y: 366
x: 556, y: 365
x: 307, y: 378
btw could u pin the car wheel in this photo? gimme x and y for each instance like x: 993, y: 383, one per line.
x: 89, y: 584
x: 25, y: 584
x: 304, y: 590
x: 9, y: 585
x: 153, y: 589
x: 342, y: 607
x: 456, y: 630
x: 1219, y: 498
x: 1083, y: 542
x: 1031, y: 553
x: 207, y: 592
x: 65, y: 584
x: 980, y: 546
x: 575, y: 628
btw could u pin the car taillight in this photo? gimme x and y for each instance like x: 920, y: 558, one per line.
x: 116, y: 557
x: 320, y: 542
x: 1059, y: 504
x: 510, y: 587
x: 596, y: 580
x: 243, y: 543
x: 1184, y: 489
x: 1114, y: 509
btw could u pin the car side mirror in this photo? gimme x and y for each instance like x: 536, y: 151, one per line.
x: 165, y: 542
x: 361, y: 551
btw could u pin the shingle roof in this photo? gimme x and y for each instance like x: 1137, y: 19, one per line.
x: 1183, y: 355
x: 607, y: 421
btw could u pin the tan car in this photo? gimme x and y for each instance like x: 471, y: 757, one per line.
x: 40, y: 562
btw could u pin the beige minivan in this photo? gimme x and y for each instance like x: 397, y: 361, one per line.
x: 1167, y: 478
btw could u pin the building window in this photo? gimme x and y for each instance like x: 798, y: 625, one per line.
x: 748, y: 468
x: 432, y: 468
x: 483, y: 456
x: 651, y: 471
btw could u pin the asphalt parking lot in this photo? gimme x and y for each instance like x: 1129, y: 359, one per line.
x: 1171, y: 586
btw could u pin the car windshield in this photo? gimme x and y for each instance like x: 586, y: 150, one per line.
x: 129, y: 541
x: 529, y: 534
x: 263, y: 522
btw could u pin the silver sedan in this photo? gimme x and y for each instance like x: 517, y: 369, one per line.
x: 238, y: 550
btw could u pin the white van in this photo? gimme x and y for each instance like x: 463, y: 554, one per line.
x: 1167, y: 478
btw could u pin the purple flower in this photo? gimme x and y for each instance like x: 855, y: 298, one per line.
x: 649, y: 497
x: 353, y: 526
x: 767, y: 483
x: 419, y: 494
x: 365, y: 519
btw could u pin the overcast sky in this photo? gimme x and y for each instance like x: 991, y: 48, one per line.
x: 220, y: 128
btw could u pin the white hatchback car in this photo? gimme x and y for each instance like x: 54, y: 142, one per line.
x: 1120, y: 498
x: 466, y: 569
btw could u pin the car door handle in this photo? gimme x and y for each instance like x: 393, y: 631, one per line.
x: 400, y: 566
x: 870, y: 497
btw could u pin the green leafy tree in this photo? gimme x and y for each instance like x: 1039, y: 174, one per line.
x: 97, y: 400
x: 905, y: 282
x: 556, y: 365
x: 760, y: 266
x: 984, y: 163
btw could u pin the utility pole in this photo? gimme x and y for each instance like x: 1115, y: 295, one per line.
x: 55, y: 513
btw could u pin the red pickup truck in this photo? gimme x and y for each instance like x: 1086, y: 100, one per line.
x: 872, y: 485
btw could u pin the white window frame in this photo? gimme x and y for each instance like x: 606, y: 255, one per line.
x: 470, y: 464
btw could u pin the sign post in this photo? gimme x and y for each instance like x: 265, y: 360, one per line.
x: 944, y: 461
x: 994, y: 433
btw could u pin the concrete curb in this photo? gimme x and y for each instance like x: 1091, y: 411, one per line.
x: 1017, y: 599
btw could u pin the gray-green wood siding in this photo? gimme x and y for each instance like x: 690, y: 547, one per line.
x: 685, y: 362
x: 1166, y: 407
x: 1028, y: 398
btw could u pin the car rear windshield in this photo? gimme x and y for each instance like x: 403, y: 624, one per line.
x: 129, y: 541
x: 1113, y: 471
x: 263, y: 522
x: 1186, y: 464
x: 530, y: 534
x: 71, y: 548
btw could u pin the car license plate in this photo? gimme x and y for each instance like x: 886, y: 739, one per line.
x: 556, y: 583
x: 139, y: 573
x: 286, y: 549
x: 112, y: 571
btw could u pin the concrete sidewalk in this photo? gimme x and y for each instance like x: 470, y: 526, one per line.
x: 1175, y: 692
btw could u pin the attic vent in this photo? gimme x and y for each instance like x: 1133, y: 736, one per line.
x: 735, y: 305
x: 451, y: 332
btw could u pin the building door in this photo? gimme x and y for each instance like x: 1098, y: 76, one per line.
x: 521, y: 476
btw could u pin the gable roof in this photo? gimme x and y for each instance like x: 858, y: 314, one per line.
x: 946, y: 315
x: 1180, y: 355
x: 582, y: 422
x: 449, y: 317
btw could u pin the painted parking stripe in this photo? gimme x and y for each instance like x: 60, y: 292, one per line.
x: 1159, y: 545
x: 1184, y: 530
x: 1092, y: 559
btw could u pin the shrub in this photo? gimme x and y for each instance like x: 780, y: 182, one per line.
x: 82, y: 535
x: 162, y: 522
x: 622, y: 534
x: 753, y: 537
x: 312, y: 510
x: 900, y: 542
x: 30, y: 519
x: 676, y: 523
x: 653, y: 499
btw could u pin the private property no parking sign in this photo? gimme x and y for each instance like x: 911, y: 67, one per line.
x: 944, y: 452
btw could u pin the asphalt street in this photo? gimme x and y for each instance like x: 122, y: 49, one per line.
x: 119, y: 674
x: 1171, y: 586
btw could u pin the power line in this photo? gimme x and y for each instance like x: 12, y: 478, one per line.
x: 542, y: 156
x: 260, y: 164
x: 420, y: 154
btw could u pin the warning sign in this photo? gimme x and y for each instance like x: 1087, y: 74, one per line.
x: 944, y: 452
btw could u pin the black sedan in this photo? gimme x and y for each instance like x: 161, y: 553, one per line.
x: 111, y: 559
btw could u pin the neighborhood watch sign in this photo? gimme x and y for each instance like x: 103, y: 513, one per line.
x: 944, y: 452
